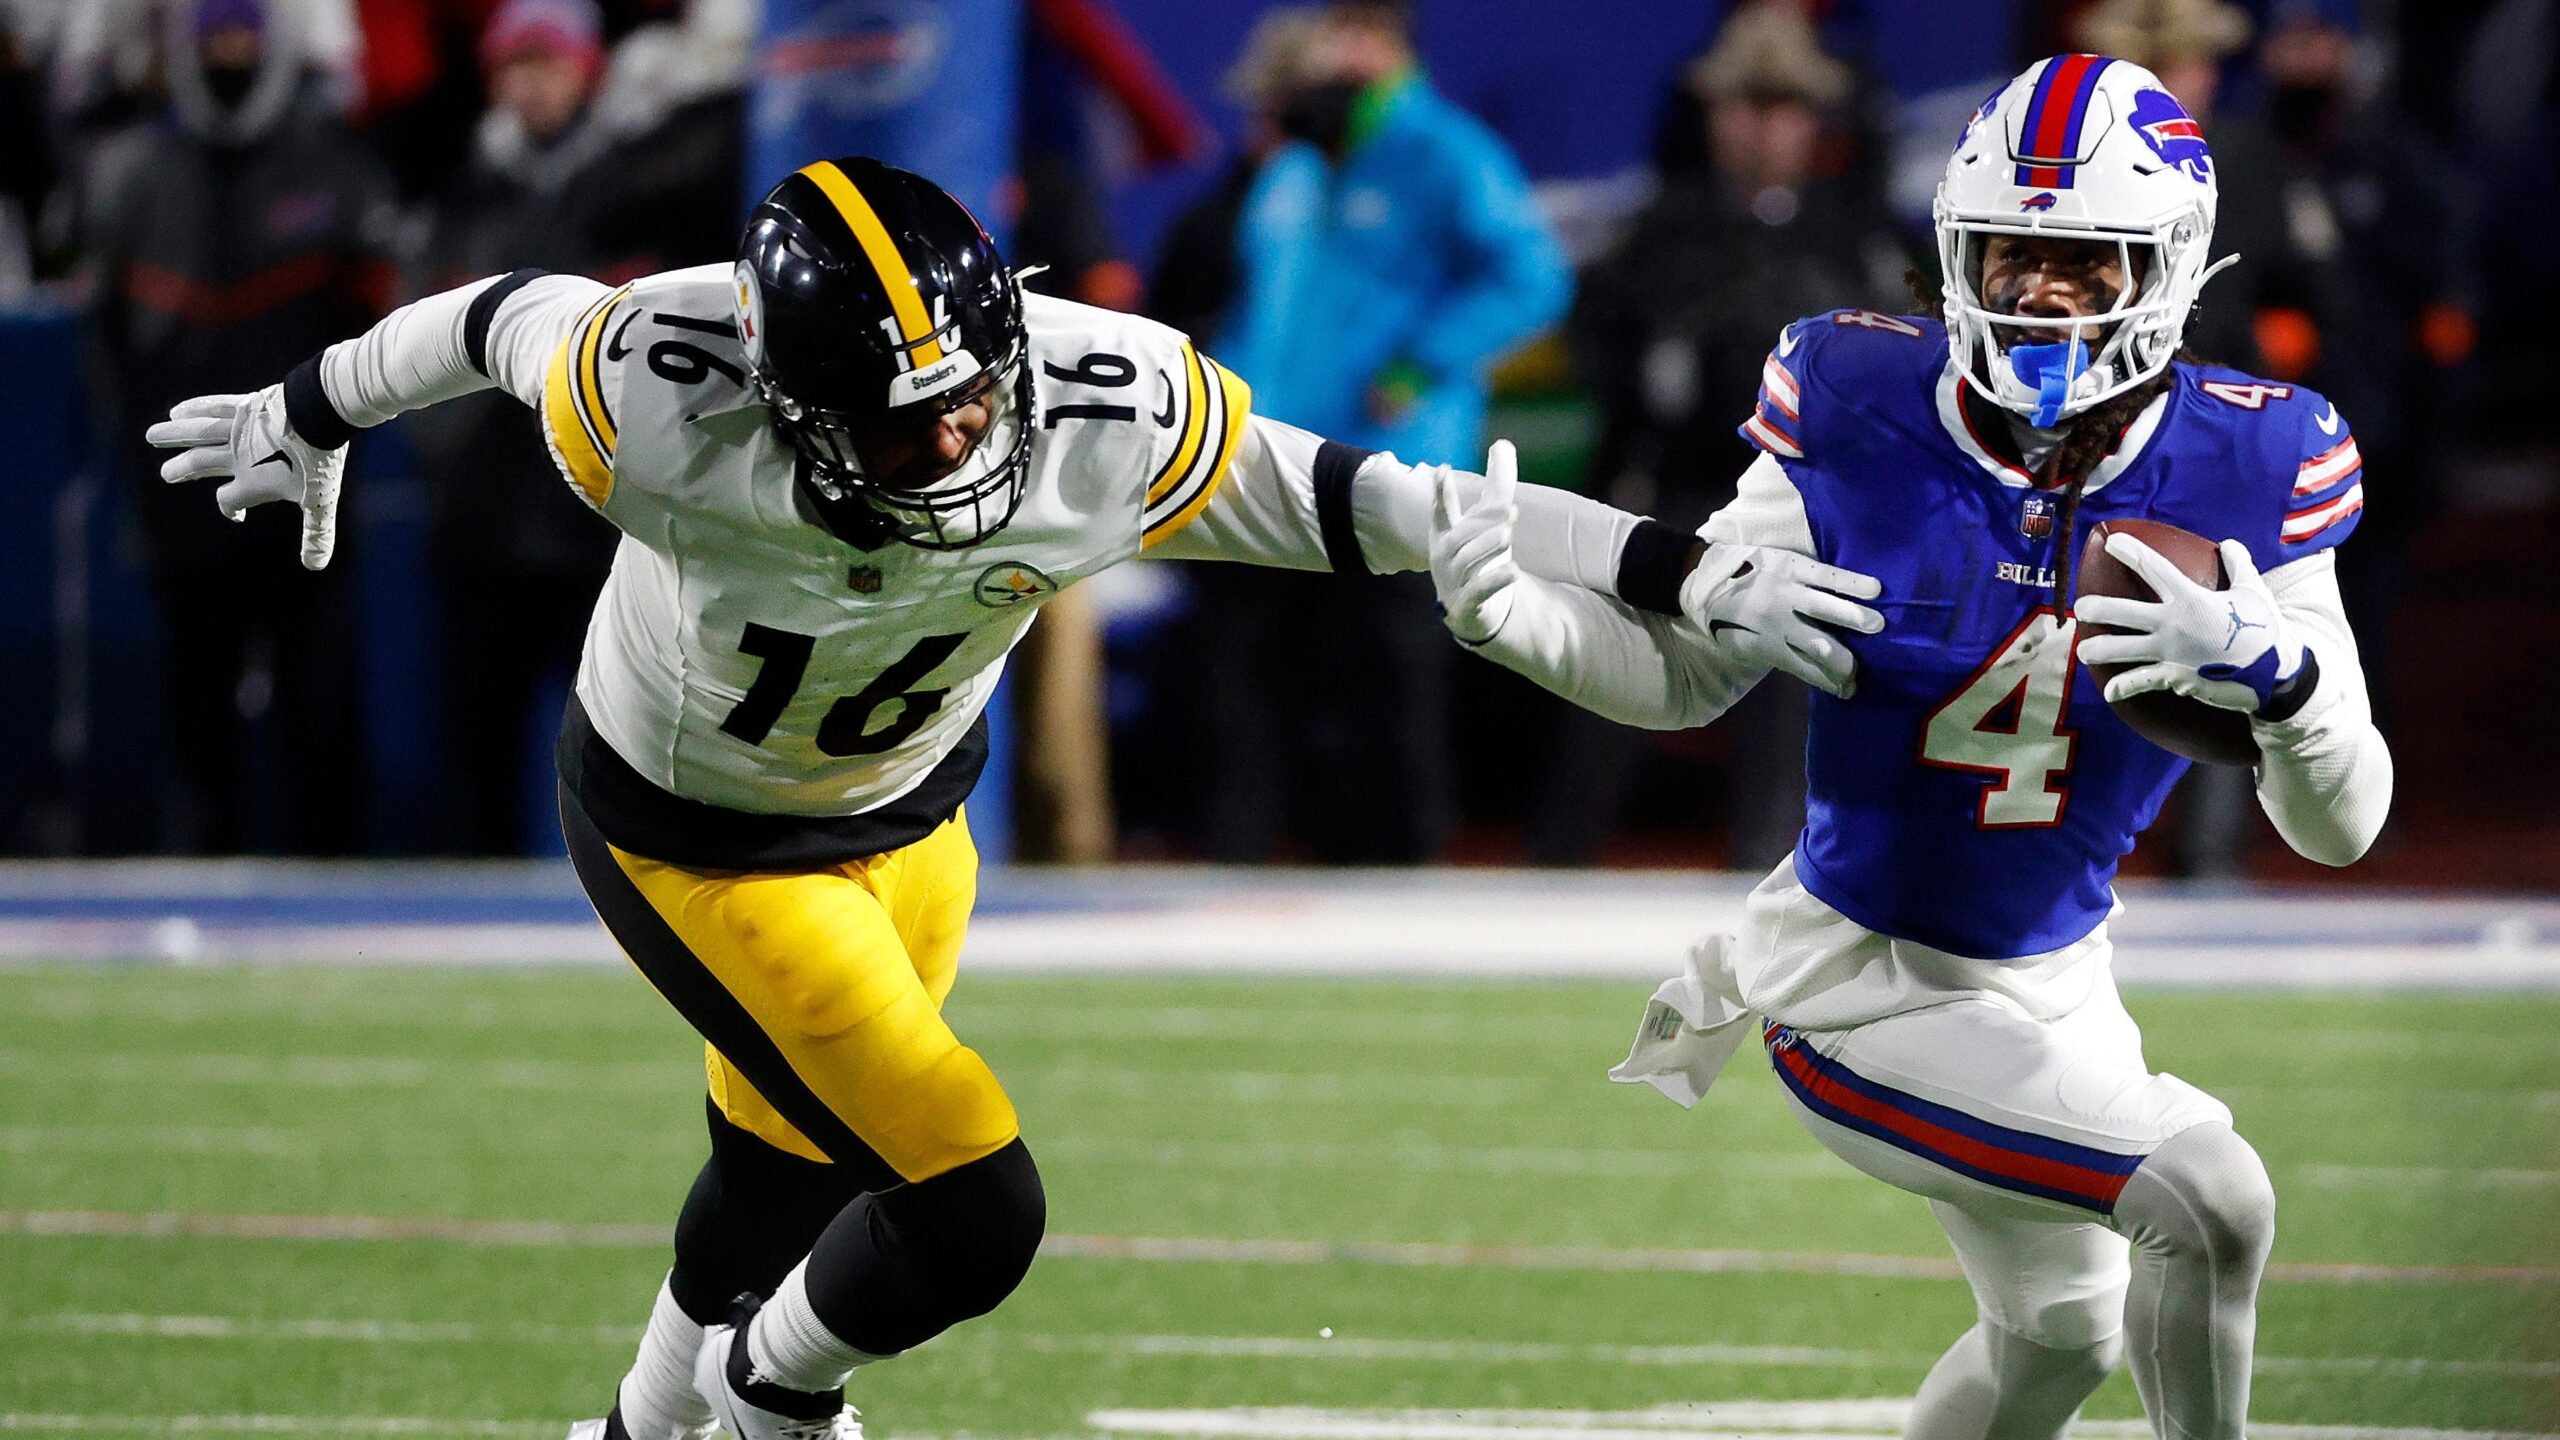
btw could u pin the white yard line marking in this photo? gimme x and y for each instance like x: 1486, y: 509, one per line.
x: 269, y: 1142
x: 1735, y: 1420
x: 275, y: 1425
x: 1699, y: 1164
x: 1245, y: 1024
x: 1600, y: 1258
x: 1363, y: 1350
x: 1341, y: 1350
x: 683, y: 1063
x: 2310, y: 1093
x: 359, y: 1331
x: 350, y: 1072
x: 1313, y: 1087
x: 167, y: 1224
x: 2407, y: 1175
x: 1437, y: 1255
x: 1798, y: 1420
x: 1419, y: 1254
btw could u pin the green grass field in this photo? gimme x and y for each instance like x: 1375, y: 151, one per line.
x: 2413, y: 1140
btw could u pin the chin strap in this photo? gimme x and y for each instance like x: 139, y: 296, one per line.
x: 2050, y: 369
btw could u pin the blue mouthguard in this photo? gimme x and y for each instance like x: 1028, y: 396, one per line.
x: 2051, y: 369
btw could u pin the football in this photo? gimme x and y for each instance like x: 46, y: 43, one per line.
x: 2172, y: 722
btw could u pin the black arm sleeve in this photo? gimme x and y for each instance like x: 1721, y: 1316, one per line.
x: 484, y: 312
x: 1337, y: 465
x: 1657, y: 557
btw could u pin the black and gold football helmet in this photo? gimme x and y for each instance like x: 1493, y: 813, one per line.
x: 868, y: 297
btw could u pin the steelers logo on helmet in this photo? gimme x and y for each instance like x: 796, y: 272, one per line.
x: 2079, y: 149
x: 881, y: 307
x: 750, y: 300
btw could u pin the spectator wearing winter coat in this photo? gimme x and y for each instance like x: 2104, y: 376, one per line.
x: 1390, y: 255
x: 573, y: 170
x: 235, y: 234
x: 1388, y: 252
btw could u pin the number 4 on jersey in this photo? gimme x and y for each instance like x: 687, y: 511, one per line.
x: 2006, y: 722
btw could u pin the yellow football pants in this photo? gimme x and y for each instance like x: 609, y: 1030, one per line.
x: 827, y: 986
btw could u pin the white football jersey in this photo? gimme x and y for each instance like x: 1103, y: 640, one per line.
x: 742, y: 654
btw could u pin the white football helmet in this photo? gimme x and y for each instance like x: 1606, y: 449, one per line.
x: 2077, y: 147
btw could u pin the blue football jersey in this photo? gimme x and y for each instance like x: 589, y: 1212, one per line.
x: 1976, y: 793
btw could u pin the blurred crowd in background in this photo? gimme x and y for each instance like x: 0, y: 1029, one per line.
x: 213, y: 189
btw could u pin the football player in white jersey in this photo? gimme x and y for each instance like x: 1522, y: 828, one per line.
x: 1930, y: 969
x: 847, y: 471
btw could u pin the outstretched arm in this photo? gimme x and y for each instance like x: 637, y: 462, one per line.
x: 1297, y: 501
x: 1638, y: 668
x: 1600, y: 653
x: 496, y: 333
x: 287, y: 442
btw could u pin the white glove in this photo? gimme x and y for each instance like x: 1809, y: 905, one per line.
x: 2229, y: 648
x: 247, y: 438
x: 1479, y: 583
x: 1768, y: 608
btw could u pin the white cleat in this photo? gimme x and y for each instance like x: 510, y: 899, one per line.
x: 750, y: 1407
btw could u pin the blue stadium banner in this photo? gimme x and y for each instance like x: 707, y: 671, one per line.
x: 926, y: 84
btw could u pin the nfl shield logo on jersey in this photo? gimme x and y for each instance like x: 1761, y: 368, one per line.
x: 863, y: 579
x: 2035, y: 517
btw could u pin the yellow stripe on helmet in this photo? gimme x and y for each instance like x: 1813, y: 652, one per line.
x: 914, y: 326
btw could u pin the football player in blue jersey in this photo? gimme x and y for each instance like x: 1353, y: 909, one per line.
x: 1930, y: 970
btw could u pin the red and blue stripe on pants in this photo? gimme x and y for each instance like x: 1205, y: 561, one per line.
x: 2015, y: 1160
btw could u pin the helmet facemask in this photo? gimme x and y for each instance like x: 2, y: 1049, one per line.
x: 954, y: 512
x: 2049, y: 368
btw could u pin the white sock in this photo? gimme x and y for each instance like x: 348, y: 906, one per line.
x: 658, y: 1398
x: 790, y: 1346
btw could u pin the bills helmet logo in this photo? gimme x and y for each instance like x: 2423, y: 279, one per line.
x: 2035, y: 517
x: 2037, y: 202
x: 2172, y: 134
x: 1981, y: 113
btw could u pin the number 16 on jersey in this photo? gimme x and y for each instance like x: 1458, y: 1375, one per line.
x: 2006, y: 723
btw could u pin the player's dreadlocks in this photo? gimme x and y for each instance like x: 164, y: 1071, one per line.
x: 2085, y: 442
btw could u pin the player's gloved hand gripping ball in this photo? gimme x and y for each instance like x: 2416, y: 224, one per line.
x: 247, y: 438
x: 2229, y: 648
x: 1778, y: 610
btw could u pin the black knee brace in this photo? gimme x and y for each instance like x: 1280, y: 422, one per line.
x: 902, y: 1266
x: 753, y: 1212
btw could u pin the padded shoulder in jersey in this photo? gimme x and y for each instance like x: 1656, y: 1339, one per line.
x: 657, y: 351
x: 1137, y: 396
x: 2304, y: 476
x: 1823, y: 360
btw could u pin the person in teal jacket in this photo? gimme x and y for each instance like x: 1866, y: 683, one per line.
x: 1386, y: 254
x: 1389, y: 254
